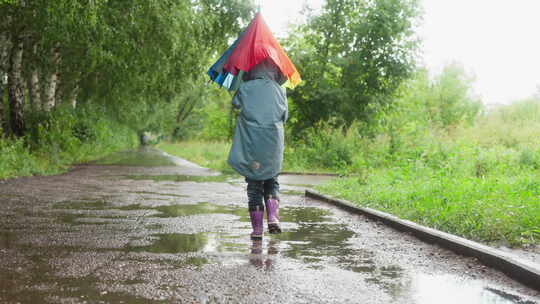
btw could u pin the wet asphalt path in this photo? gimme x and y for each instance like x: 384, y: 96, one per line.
x: 172, y: 232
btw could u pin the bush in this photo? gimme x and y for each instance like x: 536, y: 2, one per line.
x: 60, y: 138
x: 16, y: 160
x: 324, y: 147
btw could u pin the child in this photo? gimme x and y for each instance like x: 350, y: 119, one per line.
x: 258, y: 143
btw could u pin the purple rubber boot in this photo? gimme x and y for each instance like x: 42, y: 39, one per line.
x: 272, y: 209
x: 257, y: 217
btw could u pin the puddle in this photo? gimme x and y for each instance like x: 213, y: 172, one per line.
x: 160, y: 194
x: 42, y: 285
x: 320, y: 244
x: 186, y: 209
x: 188, y: 243
x: 201, y: 208
x: 81, y: 205
x: 174, y: 243
x: 449, y: 289
x: 145, y: 157
x: 232, y: 241
x: 304, y: 214
x: 181, y: 178
x: 165, y: 211
x: 70, y: 218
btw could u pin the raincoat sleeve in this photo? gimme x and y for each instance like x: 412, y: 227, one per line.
x: 237, y: 101
x: 286, y: 113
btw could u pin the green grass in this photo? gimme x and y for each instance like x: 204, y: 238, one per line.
x: 211, y: 155
x: 18, y: 160
x: 494, y: 209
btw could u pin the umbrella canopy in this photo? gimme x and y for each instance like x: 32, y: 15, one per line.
x: 255, y: 44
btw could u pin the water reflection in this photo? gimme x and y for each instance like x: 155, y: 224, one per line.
x: 81, y: 205
x: 181, y: 178
x: 144, y: 156
x: 305, y: 215
x: 257, y: 258
x: 449, y: 289
x: 174, y: 243
x: 196, y: 242
x: 201, y: 208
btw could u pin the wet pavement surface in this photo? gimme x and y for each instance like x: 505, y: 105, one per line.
x: 144, y: 227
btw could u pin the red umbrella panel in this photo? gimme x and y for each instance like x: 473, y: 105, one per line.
x: 254, y: 45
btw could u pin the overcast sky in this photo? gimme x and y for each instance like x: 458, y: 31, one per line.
x: 497, y: 41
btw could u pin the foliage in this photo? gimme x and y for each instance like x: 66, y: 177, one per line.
x: 15, y: 160
x: 477, y: 181
x: 143, y: 60
x: 323, y: 147
x: 352, y: 58
x: 209, y: 154
x: 130, y: 66
x: 445, y: 102
x: 61, y: 138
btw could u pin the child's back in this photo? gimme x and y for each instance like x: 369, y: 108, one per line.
x: 258, y: 143
x: 257, y: 150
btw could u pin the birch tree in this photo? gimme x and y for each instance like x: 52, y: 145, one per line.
x: 35, y: 84
x: 5, y: 45
x: 15, y: 87
x: 130, y: 57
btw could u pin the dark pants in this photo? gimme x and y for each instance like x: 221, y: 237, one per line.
x: 260, y: 191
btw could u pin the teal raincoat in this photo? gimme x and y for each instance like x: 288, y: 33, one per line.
x: 258, y: 143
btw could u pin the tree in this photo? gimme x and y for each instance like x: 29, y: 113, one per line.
x: 452, y: 101
x: 440, y: 102
x: 352, y: 58
x: 5, y: 48
x: 130, y: 57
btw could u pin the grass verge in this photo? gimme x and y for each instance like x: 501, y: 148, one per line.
x: 495, y: 209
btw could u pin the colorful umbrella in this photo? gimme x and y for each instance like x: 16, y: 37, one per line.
x: 254, y: 44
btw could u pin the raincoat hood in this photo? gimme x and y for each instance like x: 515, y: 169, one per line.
x: 266, y: 69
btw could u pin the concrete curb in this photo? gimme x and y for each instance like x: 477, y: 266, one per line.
x: 518, y: 270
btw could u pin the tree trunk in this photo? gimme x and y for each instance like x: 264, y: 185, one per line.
x: 35, y: 90
x: 5, y: 44
x: 59, y: 91
x: 73, y: 96
x: 3, y: 121
x: 50, y: 97
x: 15, y: 88
x: 34, y: 85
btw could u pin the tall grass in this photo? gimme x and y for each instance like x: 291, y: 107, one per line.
x: 481, y: 182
